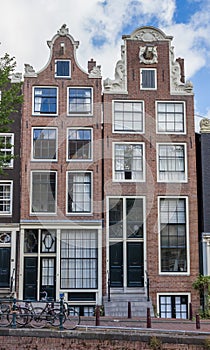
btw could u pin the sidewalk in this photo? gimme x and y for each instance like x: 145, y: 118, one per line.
x: 141, y: 323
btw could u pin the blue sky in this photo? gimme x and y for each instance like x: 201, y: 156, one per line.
x: 26, y: 26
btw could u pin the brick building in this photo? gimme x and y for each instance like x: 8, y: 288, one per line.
x: 61, y: 197
x: 150, y: 178
x: 10, y: 200
x: 109, y: 196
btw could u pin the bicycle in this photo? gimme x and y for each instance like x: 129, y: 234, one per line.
x: 72, y: 317
x: 12, y: 314
x: 40, y: 316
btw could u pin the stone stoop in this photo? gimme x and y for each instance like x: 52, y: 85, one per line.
x: 118, y: 304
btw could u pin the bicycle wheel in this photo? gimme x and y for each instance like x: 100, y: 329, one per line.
x: 22, y: 316
x: 4, y: 315
x: 38, y: 319
x: 73, y: 319
x: 54, y: 317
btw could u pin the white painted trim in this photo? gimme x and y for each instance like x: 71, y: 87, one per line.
x: 113, y: 161
x: 79, y: 114
x: 56, y: 190
x: 9, y: 134
x: 91, y: 194
x: 50, y: 115
x: 10, y: 183
x: 63, y: 76
x: 184, y: 116
x: 32, y: 144
x: 146, y: 69
x: 91, y: 145
x: 185, y: 161
x: 172, y: 294
x: 125, y: 131
x: 187, y: 273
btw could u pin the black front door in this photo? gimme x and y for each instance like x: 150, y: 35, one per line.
x: 30, y: 278
x: 5, y: 267
x: 116, y: 264
x: 135, y: 267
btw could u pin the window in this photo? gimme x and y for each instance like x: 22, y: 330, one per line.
x: 79, y: 144
x: 171, y: 162
x: 128, y: 116
x: 173, y: 306
x: 62, y: 69
x: 6, y: 198
x: 148, y: 79
x: 79, y: 192
x: 44, y: 144
x: 79, y: 259
x: 170, y: 117
x: 43, y: 192
x: 128, y: 162
x: 128, y: 218
x: 173, y: 240
x: 45, y: 100
x: 6, y: 149
x: 80, y: 101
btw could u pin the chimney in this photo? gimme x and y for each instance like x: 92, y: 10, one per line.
x: 91, y: 64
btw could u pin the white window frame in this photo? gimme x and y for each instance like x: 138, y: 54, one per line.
x: 63, y: 76
x: 10, y: 200
x: 155, y: 78
x: 32, y: 144
x: 184, y: 117
x: 91, y: 145
x: 91, y: 194
x: 172, y: 294
x: 80, y: 114
x: 123, y: 131
x: 185, y: 162
x: 143, y: 161
x: 45, y: 114
x: 11, y: 163
x: 33, y: 213
x: 175, y: 273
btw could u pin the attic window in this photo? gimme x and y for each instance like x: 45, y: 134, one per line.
x: 63, y: 68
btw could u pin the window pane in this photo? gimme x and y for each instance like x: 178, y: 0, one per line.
x: 115, y: 218
x: 128, y: 162
x: 148, y: 79
x: 173, y: 235
x: 128, y: 116
x: 170, y: 117
x: 5, y: 198
x: 134, y: 217
x: 63, y: 68
x: 79, y: 192
x: 80, y: 100
x: 79, y: 256
x: 44, y: 144
x: 6, y: 150
x: 45, y: 100
x: 172, y: 163
x: 43, y: 192
x: 79, y: 144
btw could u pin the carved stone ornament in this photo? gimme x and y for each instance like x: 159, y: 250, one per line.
x: 175, y: 74
x: 205, y: 125
x: 29, y: 71
x: 118, y: 84
x: 149, y: 34
x: 95, y: 72
x: 148, y: 54
x: 16, y: 78
x: 63, y: 30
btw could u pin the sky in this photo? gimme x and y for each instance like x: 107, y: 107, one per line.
x: 27, y: 25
